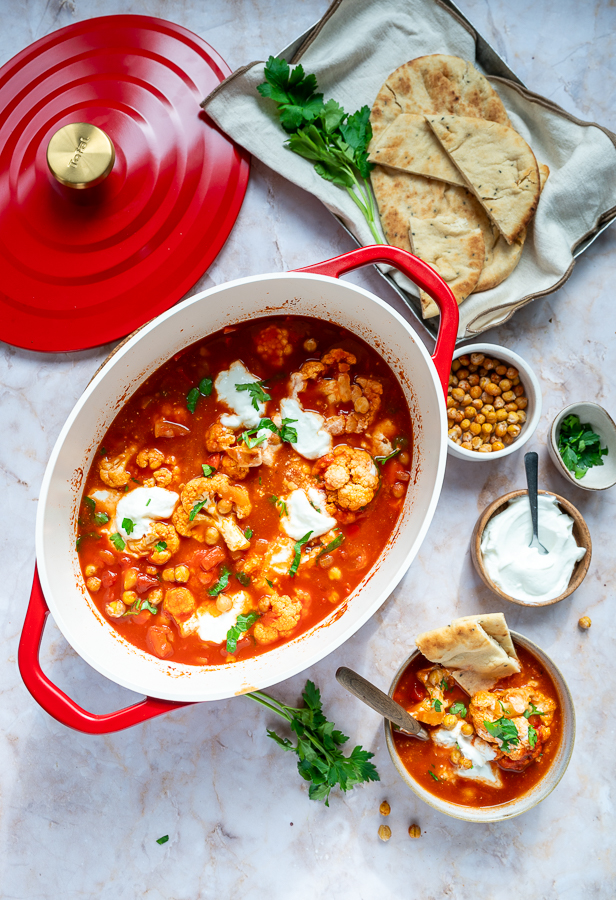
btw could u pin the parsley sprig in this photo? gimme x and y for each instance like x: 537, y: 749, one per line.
x: 285, y: 432
x: 257, y: 394
x: 505, y: 731
x: 579, y: 446
x: 336, y: 141
x: 321, y: 761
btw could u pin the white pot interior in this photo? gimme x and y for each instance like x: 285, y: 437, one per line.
x: 288, y: 294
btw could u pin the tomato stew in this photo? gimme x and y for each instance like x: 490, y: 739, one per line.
x: 244, y: 490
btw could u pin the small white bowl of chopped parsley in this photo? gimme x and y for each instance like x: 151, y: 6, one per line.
x: 582, y: 445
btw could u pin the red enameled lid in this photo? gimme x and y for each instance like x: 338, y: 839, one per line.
x: 83, y: 267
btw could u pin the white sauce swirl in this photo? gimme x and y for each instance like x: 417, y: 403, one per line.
x: 471, y: 747
x: 524, y: 572
x: 144, y: 506
x: 303, y: 517
x: 245, y: 415
x: 312, y: 440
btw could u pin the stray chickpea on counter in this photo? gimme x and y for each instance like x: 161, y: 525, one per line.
x: 486, y: 403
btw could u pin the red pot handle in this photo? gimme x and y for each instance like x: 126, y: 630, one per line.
x: 420, y: 273
x: 56, y: 702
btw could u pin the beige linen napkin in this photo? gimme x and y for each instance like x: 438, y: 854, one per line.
x: 351, y: 51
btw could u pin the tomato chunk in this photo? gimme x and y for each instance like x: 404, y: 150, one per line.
x: 157, y: 640
x: 146, y: 583
x: 211, y: 558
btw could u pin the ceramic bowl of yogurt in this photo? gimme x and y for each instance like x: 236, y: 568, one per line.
x: 514, y: 571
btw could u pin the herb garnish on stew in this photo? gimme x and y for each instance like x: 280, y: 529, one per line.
x: 298, y: 553
x: 333, y: 545
x: 505, y: 730
x: 221, y: 584
x: 579, y: 446
x: 257, y: 394
x: 204, y: 389
x: 118, y: 541
x: 243, y: 624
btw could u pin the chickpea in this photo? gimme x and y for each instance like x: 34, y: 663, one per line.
x: 491, y: 418
x: 107, y: 557
x: 450, y: 721
x: 494, y: 378
x: 501, y: 415
x: 485, y: 448
x: 477, y: 358
x: 93, y: 584
x: 398, y: 490
x: 463, y: 373
x: 182, y: 574
x: 455, y: 756
x: 478, y: 403
x: 453, y: 381
x: 472, y: 368
x: 459, y: 416
x: 467, y: 445
x: 505, y: 384
x: 450, y: 402
x: 465, y: 424
x: 169, y: 574
x: 457, y: 394
x: 483, y: 372
x: 489, y: 364
x: 511, y: 407
x: 475, y: 428
x: 129, y: 597
x: 522, y: 402
x: 513, y: 430
x: 467, y: 729
x: 501, y: 370
x: 477, y: 442
x: 384, y: 832
x: 384, y: 808
x: 224, y: 507
x: 470, y: 412
x: 151, y: 570
x: 508, y: 396
x: 466, y: 763
x: 414, y: 831
x: 498, y: 403
x: 507, y: 440
x: 223, y: 603
x: 480, y: 419
x: 497, y: 445
x: 476, y: 392
x: 467, y: 399
x: 487, y: 408
x: 487, y: 428
x: 455, y: 432
x: 512, y: 373
x: 515, y: 381
x: 211, y: 536
x: 500, y: 429
x: 90, y: 570
x: 130, y: 579
x: 310, y: 345
x: 404, y: 458
x: 335, y: 574
x: 487, y: 398
x: 115, y: 609
x: 456, y: 365
x: 155, y: 596
x: 463, y: 385
x: 451, y: 413
x: 493, y: 390
x: 473, y: 380
x: 584, y: 623
x: 512, y: 419
x: 521, y: 417
x: 326, y: 561
x: 483, y: 381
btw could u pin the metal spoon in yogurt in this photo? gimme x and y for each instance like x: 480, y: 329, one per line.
x: 531, y: 463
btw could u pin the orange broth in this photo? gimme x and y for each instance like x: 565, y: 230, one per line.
x: 420, y: 758
x: 364, y: 533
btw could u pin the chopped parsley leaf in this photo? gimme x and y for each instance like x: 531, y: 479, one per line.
x: 139, y: 605
x: 118, y: 541
x: 242, y: 625
x: 128, y: 525
x: 505, y: 731
x: 533, y: 711
x: 287, y: 434
x: 101, y: 518
x: 78, y: 543
x: 163, y: 839
x: 270, y: 584
x: 333, y: 545
x: 458, y: 709
x: 264, y: 425
x: 437, y: 705
x: 532, y: 737
x: 381, y: 460
x: 221, y: 584
x: 432, y: 775
x: 298, y: 553
x: 248, y: 533
x: 579, y: 446
x: 103, y: 451
x: 208, y: 471
x: 196, y: 508
x: 243, y: 578
x: 192, y: 398
x: 205, y: 387
x: 136, y: 480
x: 90, y: 503
x: 160, y: 546
x: 149, y: 501
x: 257, y: 394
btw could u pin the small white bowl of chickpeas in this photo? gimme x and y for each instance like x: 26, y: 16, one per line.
x: 493, y: 402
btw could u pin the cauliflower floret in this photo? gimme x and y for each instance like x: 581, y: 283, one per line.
x: 381, y: 437
x: 233, y: 469
x: 180, y: 603
x: 273, y: 345
x: 159, y: 533
x: 433, y: 708
x: 281, y: 615
x: 350, y: 476
x: 511, y: 704
x: 204, y: 491
x: 152, y: 459
x: 112, y: 469
x: 218, y: 438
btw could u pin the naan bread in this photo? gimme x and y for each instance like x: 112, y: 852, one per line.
x: 454, y: 249
x: 478, y: 650
x: 435, y: 85
x: 497, y: 165
x: 409, y: 144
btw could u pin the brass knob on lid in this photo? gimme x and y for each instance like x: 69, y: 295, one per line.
x: 80, y: 155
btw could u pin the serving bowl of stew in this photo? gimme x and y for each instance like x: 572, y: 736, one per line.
x: 508, y: 777
x: 186, y: 548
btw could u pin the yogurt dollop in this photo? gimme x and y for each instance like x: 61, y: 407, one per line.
x: 479, y: 752
x: 524, y: 572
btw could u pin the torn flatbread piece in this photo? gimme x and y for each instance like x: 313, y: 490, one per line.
x: 453, y: 248
x: 435, y: 85
x: 409, y: 144
x: 497, y: 165
x: 477, y: 650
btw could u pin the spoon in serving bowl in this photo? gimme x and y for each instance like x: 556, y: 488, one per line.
x: 381, y: 703
x: 531, y: 464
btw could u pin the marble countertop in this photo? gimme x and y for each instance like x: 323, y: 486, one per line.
x: 80, y: 815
